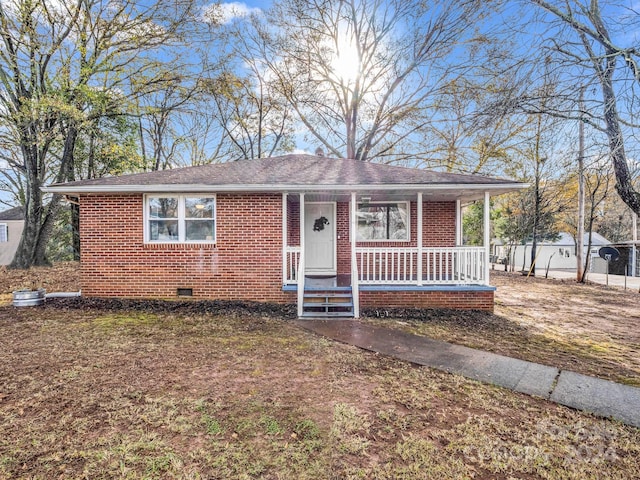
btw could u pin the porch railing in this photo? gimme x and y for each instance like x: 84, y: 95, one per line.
x: 390, y: 265
x: 440, y: 265
x: 292, y: 260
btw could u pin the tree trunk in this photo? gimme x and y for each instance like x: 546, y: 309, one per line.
x: 75, y: 233
x: 27, y: 253
x: 624, y: 182
x: 38, y: 219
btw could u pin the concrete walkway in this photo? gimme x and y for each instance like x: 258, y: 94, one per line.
x: 601, y: 397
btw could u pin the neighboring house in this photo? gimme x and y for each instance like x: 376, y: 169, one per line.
x: 11, y: 225
x: 331, y: 235
x: 559, y: 254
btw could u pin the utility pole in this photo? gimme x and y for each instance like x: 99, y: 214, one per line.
x: 580, y: 234
x: 537, y: 198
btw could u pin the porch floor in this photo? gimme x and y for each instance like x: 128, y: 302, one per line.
x: 338, y: 282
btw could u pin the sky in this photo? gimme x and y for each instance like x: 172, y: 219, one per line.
x: 630, y: 34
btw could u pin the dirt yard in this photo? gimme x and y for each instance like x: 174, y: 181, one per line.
x: 107, y: 390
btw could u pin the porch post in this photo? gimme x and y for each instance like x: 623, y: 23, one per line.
x: 301, y: 260
x: 487, y: 236
x: 353, y: 231
x: 419, y: 238
x: 458, y: 223
x: 301, y: 224
x: 635, y: 241
x: 285, y: 238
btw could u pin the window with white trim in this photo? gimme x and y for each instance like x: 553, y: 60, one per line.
x: 383, y: 221
x: 180, y: 219
x: 4, y: 233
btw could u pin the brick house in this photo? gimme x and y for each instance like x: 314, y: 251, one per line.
x: 330, y: 235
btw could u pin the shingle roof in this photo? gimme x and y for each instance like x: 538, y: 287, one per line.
x: 15, y: 213
x: 288, y: 170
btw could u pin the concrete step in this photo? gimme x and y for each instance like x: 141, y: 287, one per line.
x: 327, y: 315
x: 327, y: 304
x: 327, y: 294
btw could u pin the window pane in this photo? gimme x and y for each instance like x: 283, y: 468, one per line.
x: 199, y: 230
x: 398, y: 222
x: 163, y: 207
x: 163, y: 230
x: 372, y: 224
x: 199, y: 207
x: 4, y: 234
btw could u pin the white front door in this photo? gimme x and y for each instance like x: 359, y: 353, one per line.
x: 320, y: 238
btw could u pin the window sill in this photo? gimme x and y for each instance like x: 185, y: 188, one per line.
x: 180, y: 246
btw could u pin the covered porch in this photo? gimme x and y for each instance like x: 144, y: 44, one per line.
x: 418, y: 260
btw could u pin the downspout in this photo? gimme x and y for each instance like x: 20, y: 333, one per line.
x: 63, y: 294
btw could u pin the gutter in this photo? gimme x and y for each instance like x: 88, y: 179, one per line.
x: 195, y: 188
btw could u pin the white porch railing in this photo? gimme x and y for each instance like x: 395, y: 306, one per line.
x: 440, y: 265
x: 399, y: 266
x: 300, y: 281
x: 292, y: 259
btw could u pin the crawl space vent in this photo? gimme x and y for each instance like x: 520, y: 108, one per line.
x: 185, y: 292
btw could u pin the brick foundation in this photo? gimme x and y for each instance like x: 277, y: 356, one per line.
x: 460, y: 300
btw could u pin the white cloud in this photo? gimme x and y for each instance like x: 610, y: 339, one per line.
x: 224, y: 13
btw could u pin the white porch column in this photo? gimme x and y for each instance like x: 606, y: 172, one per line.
x: 458, y: 223
x: 301, y: 260
x: 285, y: 238
x: 353, y: 232
x: 301, y: 227
x: 487, y: 236
x: 634, y: 251
x: 419, y: 238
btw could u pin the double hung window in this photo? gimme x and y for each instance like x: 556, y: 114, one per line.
x: 180, y: 219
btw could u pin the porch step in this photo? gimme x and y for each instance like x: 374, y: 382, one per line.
x: 310, y: 294
x: 326, y: 302
x: 327, y: 315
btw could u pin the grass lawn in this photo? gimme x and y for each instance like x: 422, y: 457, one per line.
x: 100, y: 392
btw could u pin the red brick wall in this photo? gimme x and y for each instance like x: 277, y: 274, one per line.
x: 293, y: 222
x: 245, y: 263
x: 463, y: 300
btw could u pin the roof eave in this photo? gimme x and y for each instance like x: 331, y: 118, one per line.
x: 197, y: 188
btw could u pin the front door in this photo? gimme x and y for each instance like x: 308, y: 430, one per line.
x: 320, y: 238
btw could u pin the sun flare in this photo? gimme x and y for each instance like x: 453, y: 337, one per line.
x: 345, y: 62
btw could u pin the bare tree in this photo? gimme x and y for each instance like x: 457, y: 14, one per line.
x: 56, y: 60
x: 363, y: 75
x: 589, y: 44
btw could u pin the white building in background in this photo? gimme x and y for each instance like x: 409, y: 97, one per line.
x: 557, y: 255
x: 11, y: 225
